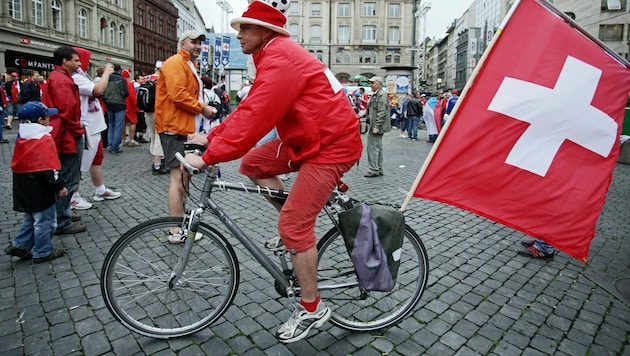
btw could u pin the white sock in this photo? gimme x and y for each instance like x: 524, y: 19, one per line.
x: 100, y: 190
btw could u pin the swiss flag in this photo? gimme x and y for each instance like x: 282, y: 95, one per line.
x: 535, y: 137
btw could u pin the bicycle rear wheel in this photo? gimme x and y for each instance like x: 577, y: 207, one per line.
x: 138, y: 268
x: 356, y: 309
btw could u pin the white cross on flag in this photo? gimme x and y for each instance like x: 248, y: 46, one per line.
x: 534, y: 138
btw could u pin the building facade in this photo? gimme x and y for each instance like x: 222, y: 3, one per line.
x: 155, y: 33
x: 607, y: 20
x: 355, y: 38
x: 30, y: 31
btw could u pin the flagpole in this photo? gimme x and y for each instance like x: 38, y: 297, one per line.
x: 472, y: 78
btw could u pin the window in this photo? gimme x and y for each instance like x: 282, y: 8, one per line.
x: 294, y: 8
x: 393, y: 35
x: 394, y: 10
x: 57, y: 17
x: 38, y: 12
x: 121, y: 36
x: 103, y: 25
x: 83, y: 23
x: 151, y: 25
x: 161, y: 26
x: 369, y: 9
x: 316, y: 33
x: 368, y: 33
x: 368, y: 55
x: 613, y: 5
x: 140, y: 16
x: 344, y: 9
x: 112, y: 33
x: 343, y: 34
x: 611, y: 32
x: 316, y: 9
x: 294, y: 30
x: 342, y: 55
x: 15, y: 9
x: 392, y: 57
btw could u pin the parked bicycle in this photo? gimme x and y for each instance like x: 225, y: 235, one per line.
x: 165, y: 291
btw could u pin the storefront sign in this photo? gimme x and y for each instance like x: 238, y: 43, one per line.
x: 28, y: 61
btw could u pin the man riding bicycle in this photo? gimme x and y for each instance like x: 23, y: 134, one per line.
x: 317, y: 136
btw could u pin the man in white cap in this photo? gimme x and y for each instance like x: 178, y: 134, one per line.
x: 178, y: 99
x: 378, y: 112
x: 317, y: 136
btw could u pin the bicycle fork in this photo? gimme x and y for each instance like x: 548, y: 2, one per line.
x: 192, y: 222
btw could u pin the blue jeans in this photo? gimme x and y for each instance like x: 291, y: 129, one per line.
x: 3, y: 115
x: 405, y: 124
x: 116, y: 120
x: 71, y: 174
x: 543, y: 246
x: 37, y: 231
x: 412, y: 130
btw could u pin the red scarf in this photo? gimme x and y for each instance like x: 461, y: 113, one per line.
x: 15, y: 91
x: 35, y: 155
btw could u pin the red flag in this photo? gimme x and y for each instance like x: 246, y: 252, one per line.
x: 535, y: 138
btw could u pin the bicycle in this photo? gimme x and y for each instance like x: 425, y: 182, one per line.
x: 165, y: 291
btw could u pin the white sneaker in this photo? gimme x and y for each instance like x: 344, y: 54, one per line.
x: 108, y: 195
x: 301, y: 322
x: 133, y: 143
x: 274, y: 244
x: 77, y: 202
x: 180, y: 238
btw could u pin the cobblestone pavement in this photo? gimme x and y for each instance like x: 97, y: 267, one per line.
x: 482, y: 298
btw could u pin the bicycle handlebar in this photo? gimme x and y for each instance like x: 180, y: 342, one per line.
x: 189, y: 168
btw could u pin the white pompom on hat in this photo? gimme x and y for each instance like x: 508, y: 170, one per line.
x: 267, y: 14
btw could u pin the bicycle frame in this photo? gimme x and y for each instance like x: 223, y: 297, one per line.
x: 206, y: 202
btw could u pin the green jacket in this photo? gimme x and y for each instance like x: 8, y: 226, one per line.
x: 378, y: 111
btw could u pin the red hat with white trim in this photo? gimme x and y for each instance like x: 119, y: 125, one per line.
x: 265, y: 13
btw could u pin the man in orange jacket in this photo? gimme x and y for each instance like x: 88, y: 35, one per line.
x: 178, y: 99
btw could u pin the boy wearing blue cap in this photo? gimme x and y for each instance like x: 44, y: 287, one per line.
x: 36, y: 184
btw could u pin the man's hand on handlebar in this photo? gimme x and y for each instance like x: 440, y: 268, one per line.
x: 195, y: 161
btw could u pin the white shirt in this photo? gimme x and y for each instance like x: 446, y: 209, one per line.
x: 95, y: 121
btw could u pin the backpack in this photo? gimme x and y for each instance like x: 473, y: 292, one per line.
x: 114, y: 93
x: 211, y: 98
x: 373, y: 235
x: 146, y: 96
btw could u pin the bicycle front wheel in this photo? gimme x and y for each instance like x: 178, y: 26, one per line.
x: 355, y: 309
x: 136, y: 280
